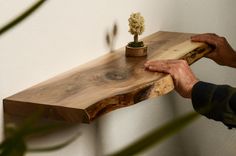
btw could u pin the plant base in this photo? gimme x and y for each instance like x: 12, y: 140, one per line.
x: 135, y: 51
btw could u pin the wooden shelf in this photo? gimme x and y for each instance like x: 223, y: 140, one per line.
x: 107, y: 83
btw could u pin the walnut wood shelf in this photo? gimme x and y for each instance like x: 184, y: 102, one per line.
x: 107, y: 83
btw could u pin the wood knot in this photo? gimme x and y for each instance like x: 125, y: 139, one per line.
x: 117, y: 75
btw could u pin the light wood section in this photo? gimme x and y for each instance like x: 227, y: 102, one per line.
x: 107, y: 83
x: 181, y: 50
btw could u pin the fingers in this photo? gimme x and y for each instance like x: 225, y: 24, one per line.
x: 182, y: 75
x: 209, y: 38
x: 166, y: 66
x: 159, y: 66
x: 195, y: 37
x: 211, y: 55
x: 163, y: 61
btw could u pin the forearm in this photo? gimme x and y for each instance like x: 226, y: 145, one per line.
x: 216, y: 102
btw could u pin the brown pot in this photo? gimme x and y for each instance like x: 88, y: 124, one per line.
x: 135, y: 51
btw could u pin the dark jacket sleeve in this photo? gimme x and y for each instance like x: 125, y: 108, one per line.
x: 217, y: 102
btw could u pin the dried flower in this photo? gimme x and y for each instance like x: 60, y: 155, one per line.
x: 136, y: 24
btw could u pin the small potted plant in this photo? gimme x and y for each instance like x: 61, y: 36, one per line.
x: 136, y: 28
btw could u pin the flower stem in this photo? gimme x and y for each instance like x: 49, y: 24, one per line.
x: 135, y: 38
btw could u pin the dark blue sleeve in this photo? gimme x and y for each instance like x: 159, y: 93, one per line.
x: 217, y: 102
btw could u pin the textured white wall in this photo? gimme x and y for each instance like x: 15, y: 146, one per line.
x: 65, y: 34
x: 206, y: 137
x: 58, y: 37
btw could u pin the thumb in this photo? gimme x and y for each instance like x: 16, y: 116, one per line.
x: 211, y: 55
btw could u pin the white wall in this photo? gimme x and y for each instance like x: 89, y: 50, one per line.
x: 63, y: 35
x: 207, y: 137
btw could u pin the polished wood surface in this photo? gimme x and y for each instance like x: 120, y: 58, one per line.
x: 107, y: 83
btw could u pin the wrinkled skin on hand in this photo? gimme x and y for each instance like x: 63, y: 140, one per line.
x: 223, y: 53
x: 183, y: 77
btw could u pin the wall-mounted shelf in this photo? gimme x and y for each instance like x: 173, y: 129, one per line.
x: 110, y: 82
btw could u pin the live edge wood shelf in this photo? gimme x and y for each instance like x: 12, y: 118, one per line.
x: 107, y: 83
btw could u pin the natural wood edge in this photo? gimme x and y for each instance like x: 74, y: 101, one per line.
x: 197, y: 53
x: 150, y: 90
x: 187, y: 50
x: 153, y: 89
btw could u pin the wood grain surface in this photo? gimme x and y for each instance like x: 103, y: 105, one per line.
x: 107, y: 83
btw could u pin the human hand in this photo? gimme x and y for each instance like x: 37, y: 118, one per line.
x: 183, y: 77
x: 223, y: 53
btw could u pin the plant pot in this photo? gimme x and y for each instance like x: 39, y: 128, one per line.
x: 135, y: 51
